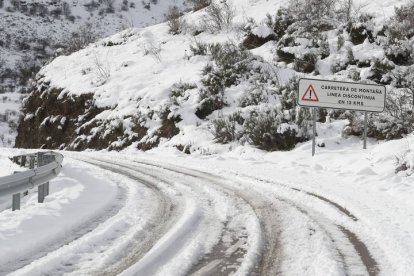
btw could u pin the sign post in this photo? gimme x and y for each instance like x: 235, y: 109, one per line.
x: 314, y: 131
x: 341, y: 95
x: 365, y: 129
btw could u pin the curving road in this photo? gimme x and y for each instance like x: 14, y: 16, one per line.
x: 200, y: 223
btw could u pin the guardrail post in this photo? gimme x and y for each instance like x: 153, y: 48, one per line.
x: 46, y: 189
x: 41, y: 193
x: 32, y: 162
x: 39, y: 159
x: 16, y: 202
x: 23, y: 164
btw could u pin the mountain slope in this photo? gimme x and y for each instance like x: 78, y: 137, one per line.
x: 154, y: 87
x: 33, y: 32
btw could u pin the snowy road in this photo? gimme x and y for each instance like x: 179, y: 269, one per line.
x: 344, y: 252
x: 166, y: 219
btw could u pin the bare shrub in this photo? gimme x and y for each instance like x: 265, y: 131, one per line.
x: 109, y: 5
x: 199, y: 4
x: 199, y: 48
x: 153, y: 50
x: 79, y: 40
x: 175, y: 20
x: 400, y: 106
x: 402, y: 165
x: 27, y: 67
x: 66, y: 10
x: 219, y: 16
x: 102, y: 69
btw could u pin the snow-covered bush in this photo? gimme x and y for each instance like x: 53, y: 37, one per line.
x: 400, y: 105
x: 402, y: 25
x: 268, y: 128
x: 258, y: 34
x: 400, y: 33
x: 199, y: 48
x: 316, y: 16
x: 229, y: 64
x: 292, y: 113
x: 265, y: 130
x: 360, y: 28
x: 398, y: 118
x: 228, y: 128
x: 304, y: 41
x: 168, y: 128
x: 380, y: 71
x: 219, y: 16
x: 401, y: 52
x: 178, y: 92
x: 257, y: 94
x: 306, y: 63
x: 396, y: 122
x: 282, y: 20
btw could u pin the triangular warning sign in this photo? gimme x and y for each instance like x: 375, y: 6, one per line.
x: 310, y: 95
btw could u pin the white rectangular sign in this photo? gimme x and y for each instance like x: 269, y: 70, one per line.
x: 341, y: 95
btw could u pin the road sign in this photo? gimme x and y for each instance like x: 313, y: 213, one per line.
x: 310, y: 95
x: 341, y: 95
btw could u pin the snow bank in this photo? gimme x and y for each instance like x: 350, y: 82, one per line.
x: 71, y: 203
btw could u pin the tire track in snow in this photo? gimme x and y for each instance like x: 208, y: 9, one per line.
x: 225, y: 257
x: 274, y: 213
x: 166, y: 246
x: 268, y: 263
x: 113, y: 245
x: 371, y: 265
x: 164, y: 218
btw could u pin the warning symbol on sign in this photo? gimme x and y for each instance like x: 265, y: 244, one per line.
x: 310, y: 95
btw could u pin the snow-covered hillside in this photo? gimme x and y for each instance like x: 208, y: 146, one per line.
x: 193, y: 85
x: 343, y: 212
x: 33, y: 32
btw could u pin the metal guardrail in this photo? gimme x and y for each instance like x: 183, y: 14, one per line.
x: 43, y: 166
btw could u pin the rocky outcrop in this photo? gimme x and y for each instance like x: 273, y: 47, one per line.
x: 50, y: 121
